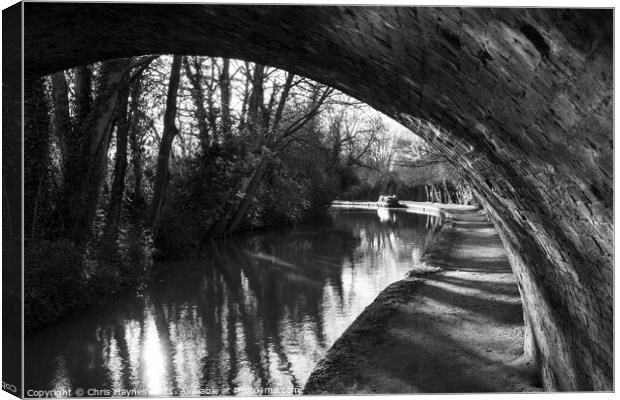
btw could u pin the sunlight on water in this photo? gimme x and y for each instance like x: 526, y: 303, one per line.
x: 132, y: 339
x: 187, y: 337
x: 113, y: 361
x: 257, y: 315
x: 154, y: 359
x: 61, y: 382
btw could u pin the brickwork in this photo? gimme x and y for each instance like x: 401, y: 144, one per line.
x: 521, y: 100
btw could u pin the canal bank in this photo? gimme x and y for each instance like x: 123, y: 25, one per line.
x: 457, y: 330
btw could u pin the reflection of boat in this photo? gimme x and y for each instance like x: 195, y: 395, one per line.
x: 384, y: 214
x: 389, y: 201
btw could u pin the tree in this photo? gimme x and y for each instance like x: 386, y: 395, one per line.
x: 125, y: 121
x: 135, y: 143
x: 36, y: 153
x: 165, y: 147
x: 85, y: 139
x: 120, y: 168
x: 265, y: 123
x: 353, y: 136
x: 85, y: 144
x: 196, y: 77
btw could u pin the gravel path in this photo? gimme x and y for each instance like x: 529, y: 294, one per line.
x: 458, y: 330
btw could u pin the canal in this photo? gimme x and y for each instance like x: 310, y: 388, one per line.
x: 254, y: 315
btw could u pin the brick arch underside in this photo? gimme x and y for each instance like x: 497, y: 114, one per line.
x: 520, y: 100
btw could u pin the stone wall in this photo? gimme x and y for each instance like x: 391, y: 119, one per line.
x: 520, y: 99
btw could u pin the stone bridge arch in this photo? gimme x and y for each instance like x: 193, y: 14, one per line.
x: 520, y: 99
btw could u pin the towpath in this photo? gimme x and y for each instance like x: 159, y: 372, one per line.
x: 458, y: 330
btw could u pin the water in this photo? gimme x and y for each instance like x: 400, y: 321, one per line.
x: 253, y: 317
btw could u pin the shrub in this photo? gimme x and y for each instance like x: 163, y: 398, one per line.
x: 61, y: 279
x: 53, y: 279
x: 178, y: 234
x: 104, y: 283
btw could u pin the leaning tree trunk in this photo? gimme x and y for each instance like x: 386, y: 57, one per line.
x: 165, y: 147
x: 249, y: 193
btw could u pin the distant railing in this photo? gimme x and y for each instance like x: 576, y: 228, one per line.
x: 410, y: 206
x: 354, y: 204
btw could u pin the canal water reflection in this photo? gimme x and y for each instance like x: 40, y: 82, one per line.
x: 257, y: 313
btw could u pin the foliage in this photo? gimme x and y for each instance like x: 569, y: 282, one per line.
x: 62, y: 278
x: 123, y: 167
x: 54, y: 280
x: 297, y: 186
x: 200, y: 190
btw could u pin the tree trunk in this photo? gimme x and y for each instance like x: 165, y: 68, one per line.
x: 36, y: 148
x: 83, y: 100
x: 120, y: 168
x: 198, y: 99
x: 102, y: 133
x: 87, y: 154
x: 137, y: 195
x: 165, y: 147
x: 246, y: 97
x: 225, y: 99
x: 62, y: 118
x: 255, y: 102
x: 211, y: 112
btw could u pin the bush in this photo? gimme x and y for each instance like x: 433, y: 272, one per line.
x: 199, y: 192
x: 61, y: 278
x: 104, y: 283
x: 178, y: 235
x: 299, y: 183
x: 54, y: 281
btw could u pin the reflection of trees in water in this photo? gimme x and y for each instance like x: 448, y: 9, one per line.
x: 95, y: 353
x: 432, y: 222
x: 243, y: 315
x: 385, y: 232
x: 275, y: 280
x: 253, y: 314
